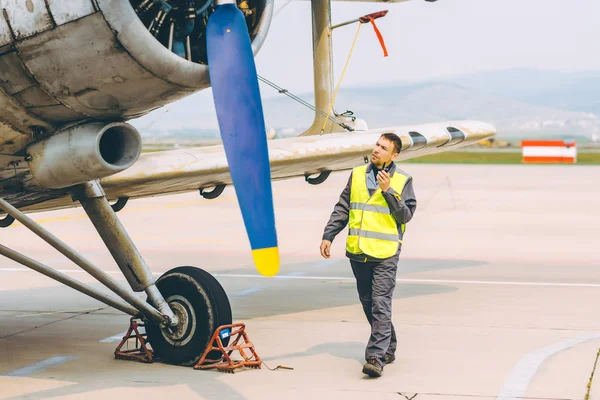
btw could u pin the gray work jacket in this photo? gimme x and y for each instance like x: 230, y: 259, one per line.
x: 402, y: 209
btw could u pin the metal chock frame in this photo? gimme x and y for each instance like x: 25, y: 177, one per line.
x: 239, y: 342
x: 141, y: 352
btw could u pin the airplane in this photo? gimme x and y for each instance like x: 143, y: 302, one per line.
x: 72, y: 73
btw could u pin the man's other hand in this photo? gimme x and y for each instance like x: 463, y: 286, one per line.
x: 326, y: 248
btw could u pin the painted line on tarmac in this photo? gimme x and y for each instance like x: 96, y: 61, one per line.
x: 41, y: 313
x: 41, y: 366
x: 250, y: 290
x: 504, y: 283
x: 15, y: 269
x: 295, y: 274
x: 348, y: 278
x: 516, y: 385
x: 64, y: 271
x: 114, y: 338
x: 117, y: 337
x: 324, y: 263
x: 434, y: 281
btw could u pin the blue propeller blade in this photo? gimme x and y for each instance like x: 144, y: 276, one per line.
x: 241, y: 121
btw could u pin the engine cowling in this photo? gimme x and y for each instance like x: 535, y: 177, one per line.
x: 64, y: 61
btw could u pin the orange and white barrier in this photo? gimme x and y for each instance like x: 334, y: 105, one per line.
x: 549, y: 151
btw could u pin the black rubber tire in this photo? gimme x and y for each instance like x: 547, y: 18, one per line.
x: 208, y: 298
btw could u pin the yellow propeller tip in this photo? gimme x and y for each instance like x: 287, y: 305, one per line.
x: 266, y: 260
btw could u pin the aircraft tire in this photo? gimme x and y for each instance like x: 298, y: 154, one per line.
x: 201, y: 304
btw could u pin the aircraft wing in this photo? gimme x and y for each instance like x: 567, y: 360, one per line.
x: 190, y: 169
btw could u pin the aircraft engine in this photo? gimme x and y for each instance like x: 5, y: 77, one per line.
x: 110, y: 60
x: 84, y: 153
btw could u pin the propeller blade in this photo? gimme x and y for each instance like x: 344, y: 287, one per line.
x: 241, y: 121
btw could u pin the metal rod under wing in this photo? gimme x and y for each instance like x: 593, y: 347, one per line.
x: 363, y: 20
x: 87, y: 266
x: 322, y: 65
x: 345, y: 23
x: 67, y: 280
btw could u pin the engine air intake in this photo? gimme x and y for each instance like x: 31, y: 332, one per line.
x: 180, y: 25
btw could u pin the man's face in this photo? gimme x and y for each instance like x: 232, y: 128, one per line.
x: 383, y: 153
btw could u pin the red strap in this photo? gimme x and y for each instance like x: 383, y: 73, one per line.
x: 385, y: 53
x: 366, y: 18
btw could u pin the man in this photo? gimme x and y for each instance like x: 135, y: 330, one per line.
x: 377, y: 203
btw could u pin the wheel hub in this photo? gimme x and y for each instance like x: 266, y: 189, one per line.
x: 181, y: 334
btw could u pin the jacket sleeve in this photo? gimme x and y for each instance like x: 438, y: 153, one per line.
x: 339, y: 216
x: 402, y: 206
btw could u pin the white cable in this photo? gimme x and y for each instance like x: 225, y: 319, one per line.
x: 282, y: 7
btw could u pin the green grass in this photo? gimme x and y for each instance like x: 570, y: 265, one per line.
x: 588, y: 158
x: 457, y: 157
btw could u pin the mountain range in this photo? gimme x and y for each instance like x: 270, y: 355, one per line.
x: 520, y: 103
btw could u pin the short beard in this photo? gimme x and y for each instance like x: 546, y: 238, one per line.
x: 378, y: 163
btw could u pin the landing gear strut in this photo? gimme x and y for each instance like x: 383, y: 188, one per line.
x: 184, y: 306
x: 92, y: 198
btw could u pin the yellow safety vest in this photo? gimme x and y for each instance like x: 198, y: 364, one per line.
x: 373, y: 229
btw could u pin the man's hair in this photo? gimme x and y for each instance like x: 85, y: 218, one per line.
x: 392, y: 137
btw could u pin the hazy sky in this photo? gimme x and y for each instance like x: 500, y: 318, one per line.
x: 427, y: 40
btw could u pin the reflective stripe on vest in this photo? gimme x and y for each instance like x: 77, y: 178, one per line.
x: 370, y: 207
x: 372, y: 229
x: 373, y: 235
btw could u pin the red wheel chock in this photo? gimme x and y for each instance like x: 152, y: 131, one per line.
x: 141, y: 352
x: 238, y: 342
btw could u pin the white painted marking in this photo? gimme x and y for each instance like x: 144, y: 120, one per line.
x: 296, y: 273
x: 119, y: 336
x: 434, y: 281
x: 516, y: 385
x: 64, y: 271
x: 324, y: 263
x: 38, y: 314
x: 114, y: 338
x: 505, y: 283
x: 41, y: 366
x: 15, y: 269
x: 347, y: 278
x: 250, y: 290
x: 279, y: 277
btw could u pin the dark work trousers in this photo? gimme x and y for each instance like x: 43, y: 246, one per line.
x: 375, y: 282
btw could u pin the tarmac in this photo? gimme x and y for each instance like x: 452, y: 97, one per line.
x: 495, y: 299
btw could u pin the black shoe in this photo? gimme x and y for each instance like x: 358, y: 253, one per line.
x: 389, y: 358
x: 373, y: 368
